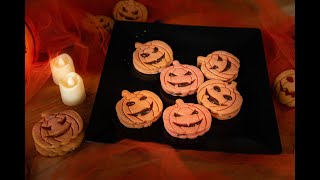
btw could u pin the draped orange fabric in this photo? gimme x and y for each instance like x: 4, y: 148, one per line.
x: 60, y: 29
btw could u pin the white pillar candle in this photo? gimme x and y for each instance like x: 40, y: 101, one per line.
x: 72, y: 89
x: 60, y: 66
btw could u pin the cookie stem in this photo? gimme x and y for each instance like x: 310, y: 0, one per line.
x: 200, y: 60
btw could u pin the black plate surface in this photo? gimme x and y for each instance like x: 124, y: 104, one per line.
x: 253, y: 130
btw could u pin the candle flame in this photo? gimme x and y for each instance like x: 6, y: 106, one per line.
x: 61, y: 62
x: 71, y: 81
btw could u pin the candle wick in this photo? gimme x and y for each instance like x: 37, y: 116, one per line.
x: 61, y: 62
x: 70, y: 81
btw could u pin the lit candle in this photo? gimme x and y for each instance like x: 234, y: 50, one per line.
x: 60, y: 66
x: 72, y: 89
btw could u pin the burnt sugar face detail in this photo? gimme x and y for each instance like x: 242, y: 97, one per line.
x: 181, y: 79
x: 186, y: 120
x: 130, y: 10
x: 139, y: 109
x: 284, y: 87
x: 150, y: 57
x: 220, y: 65
x: 221, y: 98
x: 58, y: 133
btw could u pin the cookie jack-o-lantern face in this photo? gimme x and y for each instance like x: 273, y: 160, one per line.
x: 221, y: 98
x: 139, y: 107
x: 130, y: 10
x: 181, y: 79
x: 150, y: 57
x: 219, y: 65
x: 186, y: 120
x: 284, y: 87
x: 106, y: 22
x: 57, y: 129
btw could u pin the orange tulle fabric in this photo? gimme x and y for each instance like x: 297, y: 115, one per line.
x: 60, y: 29
x: 64, y: 27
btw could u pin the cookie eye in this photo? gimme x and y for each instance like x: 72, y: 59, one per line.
x: 227, y: 97
x: 145, y: 55
x: 219, y: 58
x: 195, y: 112
x: 290, y: 79
x: 177, y: 115
x: 155, y: 49
x: 213, y: 100
x: 217, y: 88
x: 143, y: 98
x: 135, y: 12
x: 130, y: 103
x: 188, y: 73
x: 171, y: 75
x: 124, y: 9
x: 214, y: 67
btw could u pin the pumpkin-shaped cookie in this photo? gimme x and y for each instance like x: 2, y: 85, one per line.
x: 106, y: 22
x: 221, y: 98
x: 58, y: 133
x: 186, y: 120
x: 139, y: 109
x: 130, y: 10
x: 181, y: 79
x: 284, y: 87
x: 219, y: 65
x: 150, y: 57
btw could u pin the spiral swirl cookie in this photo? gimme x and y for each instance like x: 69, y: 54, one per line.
x: 221, y: 98
x: 106, y: 22
x: 181, y: 79
x: 186, y: 120
x: 284, y: 87
x: 58, y: 133
x: 139, y: 109
x: 219, y: 65
x: 130, y: 10
x: 150, y: 57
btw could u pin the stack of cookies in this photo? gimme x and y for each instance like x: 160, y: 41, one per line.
x: 58, y: 133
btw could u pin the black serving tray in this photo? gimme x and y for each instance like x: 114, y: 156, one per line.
x: 253, y: 130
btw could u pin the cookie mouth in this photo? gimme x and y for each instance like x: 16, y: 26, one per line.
x: 184, y: 84
x: 143, y: 111
x: 128, y: 18
x: 157, y: 60
x: 228, y: 66
x: 190, y: 125
x: 286, y: 91
x: 213, y: 100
